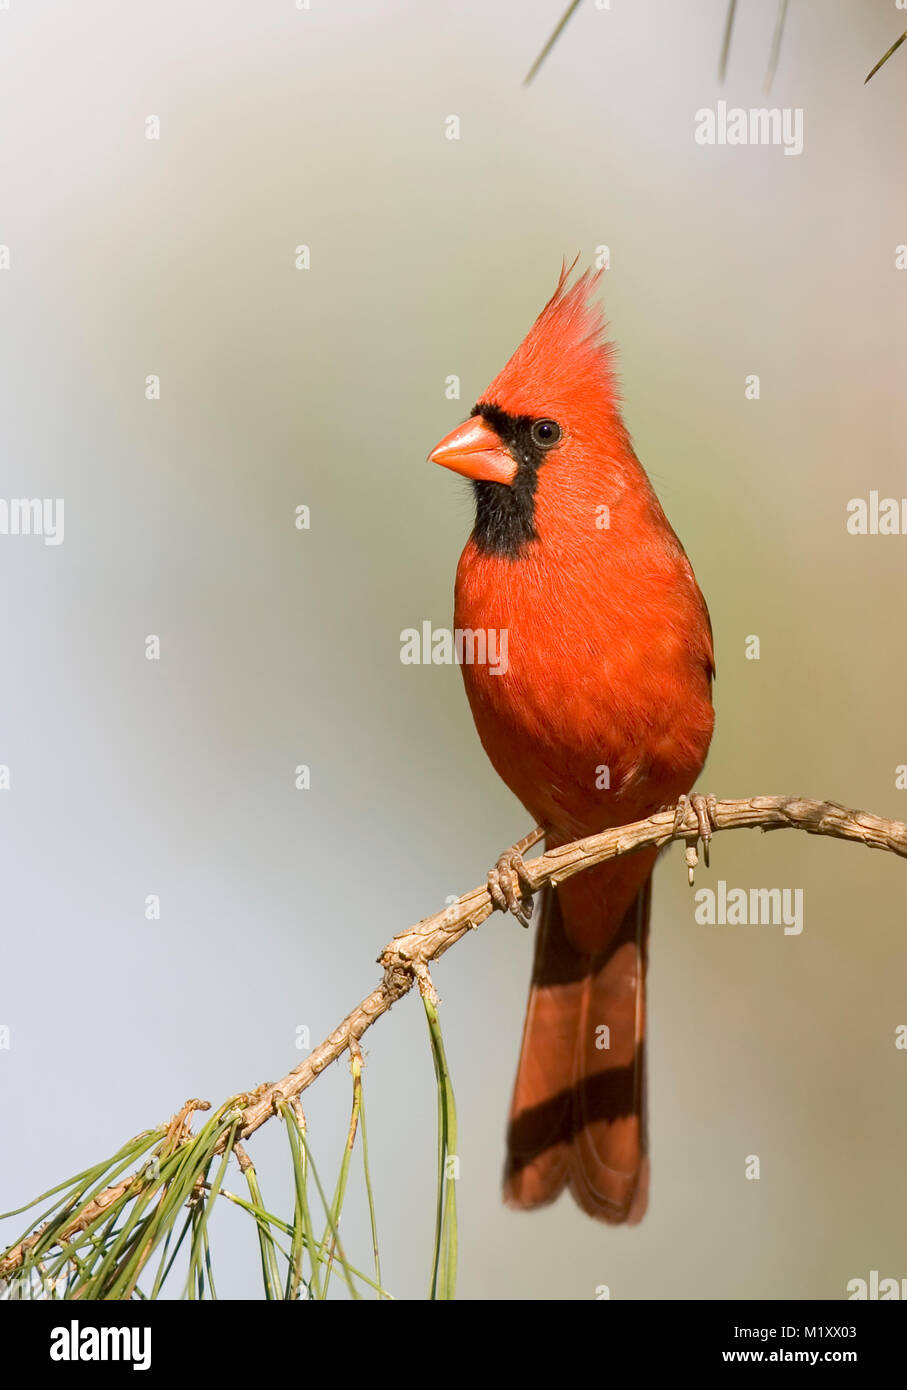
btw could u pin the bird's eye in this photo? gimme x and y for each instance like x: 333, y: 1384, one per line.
x: 546, y: 433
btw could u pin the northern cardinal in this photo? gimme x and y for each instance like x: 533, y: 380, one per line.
x: 602, y: 716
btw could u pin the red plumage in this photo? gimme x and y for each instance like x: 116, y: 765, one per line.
x: 602, y: 716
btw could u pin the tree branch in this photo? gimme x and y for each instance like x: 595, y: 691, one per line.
x: 406, y: 958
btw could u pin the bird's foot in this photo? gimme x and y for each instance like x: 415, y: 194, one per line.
x: 703, y: 808
x: 509, y: 885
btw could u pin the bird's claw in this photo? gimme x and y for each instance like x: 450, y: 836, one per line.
x: 510, y: 887
x: 704, y: 808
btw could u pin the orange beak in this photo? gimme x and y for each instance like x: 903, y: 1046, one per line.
x: 474, y: 450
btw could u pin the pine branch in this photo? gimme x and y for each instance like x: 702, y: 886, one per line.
x: 407, y: 957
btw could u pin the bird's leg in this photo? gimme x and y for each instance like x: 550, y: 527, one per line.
x: 703, y: 808
x: 509, y: 886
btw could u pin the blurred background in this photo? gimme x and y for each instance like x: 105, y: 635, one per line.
x: 325, y: 387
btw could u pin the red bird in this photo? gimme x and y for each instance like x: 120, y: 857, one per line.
x: 600, y: 715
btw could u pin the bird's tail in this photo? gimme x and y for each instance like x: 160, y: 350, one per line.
x: 578, y: 1115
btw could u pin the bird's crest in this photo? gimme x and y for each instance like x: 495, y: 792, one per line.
x: 564, y: 361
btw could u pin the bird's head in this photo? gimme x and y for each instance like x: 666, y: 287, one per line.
x: 549, y: 412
